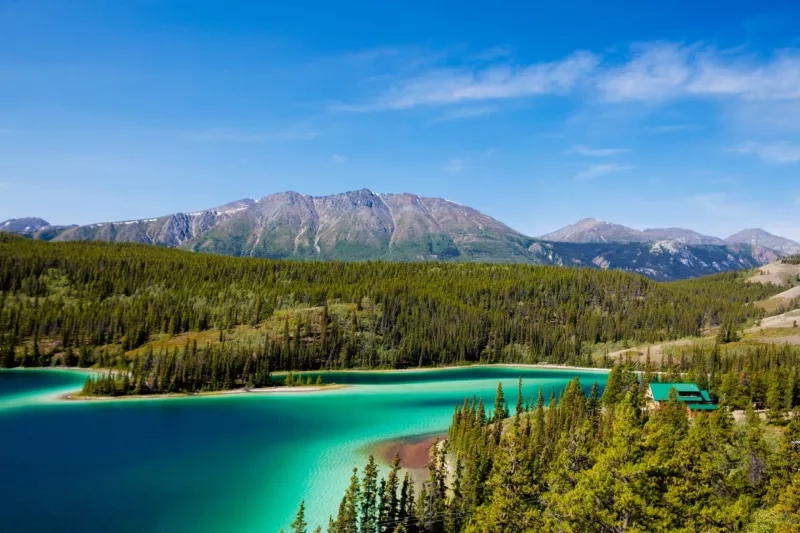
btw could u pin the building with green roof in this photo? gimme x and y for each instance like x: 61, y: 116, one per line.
x: 689, y: 394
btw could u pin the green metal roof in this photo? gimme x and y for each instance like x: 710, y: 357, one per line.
x: 661, y: 390
x: 687, y: 393
x: 702, y: 406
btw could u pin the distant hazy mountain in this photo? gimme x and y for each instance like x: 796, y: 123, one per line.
x: 759, y: 237
x: 763, y: 246
x: 362, y: 225
x: 686, y: 235
x: 23, y: 225
x: 593, y: 230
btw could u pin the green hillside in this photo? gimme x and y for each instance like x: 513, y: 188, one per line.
x: 207, y: 321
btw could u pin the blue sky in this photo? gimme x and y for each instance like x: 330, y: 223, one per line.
x: 535, y: 113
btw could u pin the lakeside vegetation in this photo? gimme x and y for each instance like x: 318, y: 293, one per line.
x: 591, y: 463
x: 177, y: 321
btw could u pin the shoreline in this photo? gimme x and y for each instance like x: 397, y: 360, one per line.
x: 301, y: 389
x: 553, y: 366
x: 76, y: 397
x: 539, y: 366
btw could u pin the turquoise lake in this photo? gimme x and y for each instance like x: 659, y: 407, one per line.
x: 233, y: 463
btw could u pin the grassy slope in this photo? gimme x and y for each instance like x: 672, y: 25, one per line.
x: 778, y: 328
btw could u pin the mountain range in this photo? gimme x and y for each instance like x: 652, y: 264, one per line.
x: 591, y: 230
x: 362, y: 225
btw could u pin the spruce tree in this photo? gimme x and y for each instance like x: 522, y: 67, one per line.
x: 500, y: 411
x: 369, y: 497
x: 520, y: 405
x: 613, y: 392
x: 755, y: 453
x: 391, y: 494
x: 347, y: 520
x: 785, y: 463
x: 776, y: 400
x: 299, y: 525
x: 509, y: 489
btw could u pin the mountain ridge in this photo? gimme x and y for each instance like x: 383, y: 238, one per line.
x: 363, y: 225
x: 594, y: 230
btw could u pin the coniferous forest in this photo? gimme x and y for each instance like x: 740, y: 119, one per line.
x: 174, y: 321
x: 590, y: 463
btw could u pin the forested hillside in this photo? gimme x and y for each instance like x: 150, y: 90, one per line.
x: 584, y: 463
x: 186, y: 322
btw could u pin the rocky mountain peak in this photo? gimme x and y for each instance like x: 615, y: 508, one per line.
x: 23, y: 225
x: 594, y: 230
x: 760, y: 237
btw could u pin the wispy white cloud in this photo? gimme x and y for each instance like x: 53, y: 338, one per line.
x: 336, y: 158
x: 779, y: 79
x: 655, y: 72
x: 652, y: 72
x: 776, y: 153
x: 597, y: 152
x: 465, y: 112
x: 231, y: 135
x: 595, y: 171
x: 452, y: 86
x: 660, y: 71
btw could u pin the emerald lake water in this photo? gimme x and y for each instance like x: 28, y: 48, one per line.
x: 232, y: 463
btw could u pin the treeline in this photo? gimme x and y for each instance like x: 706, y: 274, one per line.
x: 100, y: 304
x: 191, y: 372
x: 584, y: 463
x: 791, y: 260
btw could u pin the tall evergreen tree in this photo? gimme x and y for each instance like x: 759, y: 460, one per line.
x: 299, y: 525
x: 369, y: 497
